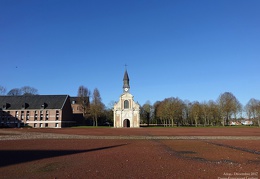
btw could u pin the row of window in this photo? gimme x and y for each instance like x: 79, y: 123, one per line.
x: 34, y: 125
x: 26, y: 115
x: 44, y: 125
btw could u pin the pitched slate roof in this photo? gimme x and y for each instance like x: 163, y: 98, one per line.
x: 75, y: 99
x: 33, y: 102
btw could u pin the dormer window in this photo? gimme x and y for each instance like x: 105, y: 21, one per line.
x: 6, y: 106
x: 44, y: 105
x: 25, y: 106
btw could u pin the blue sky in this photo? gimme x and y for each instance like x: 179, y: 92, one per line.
x: 194, y: 50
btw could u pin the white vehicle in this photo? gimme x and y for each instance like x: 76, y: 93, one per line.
x: 232, y: 123
x: 247, y: 122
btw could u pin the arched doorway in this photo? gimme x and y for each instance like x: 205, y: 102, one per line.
x: 126, y: 123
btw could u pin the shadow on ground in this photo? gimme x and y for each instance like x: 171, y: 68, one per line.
x: 11, y: 157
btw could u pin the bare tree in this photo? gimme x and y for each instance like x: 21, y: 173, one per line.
x: 96, y: 107
x: 163, y: 112
x: 229, y: 105
x: 175, y: 108
x: 205, y: 113
x: 160, y: 112
x: 253, y: 109
x: 14, y: 92
x: 109, y: 113
x: 146, y: 112
x: 214, y: 113
x: 84, y: 100
x: 27, y: 90
x: 187, y: 112
x: 196, y: 112
x: 258, y: 113
x: 156, y: 112
x: 170, y: 111
x: 2, y: 90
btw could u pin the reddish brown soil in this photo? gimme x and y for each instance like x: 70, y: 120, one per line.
x: 132, y: 158
x: 228, y: 131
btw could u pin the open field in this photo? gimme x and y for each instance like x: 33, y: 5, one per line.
x: 130, y: 153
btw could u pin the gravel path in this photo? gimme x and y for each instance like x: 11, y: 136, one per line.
x: 16, y: 135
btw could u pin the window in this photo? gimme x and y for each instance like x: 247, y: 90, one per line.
x: 41, y: 115
x: 47, y: 116
x: 22, y: 115
x: 41, y: 125
x: 44, y: 105
x: 35, y: 115
x: 57, y: 115
x: 126, y: 104
x: 35, y: 125
x: 56, y: 124
x: 46, y: 125
x: 27, y: 115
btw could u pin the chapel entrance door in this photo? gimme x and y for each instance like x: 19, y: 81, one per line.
x: 126, y: 123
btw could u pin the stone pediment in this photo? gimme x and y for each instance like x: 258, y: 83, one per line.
x: 127, y: 96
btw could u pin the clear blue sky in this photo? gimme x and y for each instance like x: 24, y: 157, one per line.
x: 193, y: 50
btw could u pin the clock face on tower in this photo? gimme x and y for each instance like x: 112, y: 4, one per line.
x: 126, y: 89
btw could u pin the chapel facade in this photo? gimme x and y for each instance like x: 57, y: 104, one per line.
x: 126, y: 110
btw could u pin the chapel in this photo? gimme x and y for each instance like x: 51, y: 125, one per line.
x: 126, y: 110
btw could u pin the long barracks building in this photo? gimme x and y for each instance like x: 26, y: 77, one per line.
x: 37, y: 111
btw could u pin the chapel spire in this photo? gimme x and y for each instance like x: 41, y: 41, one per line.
x: 126, y: 80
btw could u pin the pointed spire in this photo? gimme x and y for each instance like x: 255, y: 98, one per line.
x: 126, y: 81
x: 126, y: 76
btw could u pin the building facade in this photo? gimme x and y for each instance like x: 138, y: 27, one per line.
x: 37, y: 111
x: 126, y: 110
x: 78, y: 111
x: 76, y: 105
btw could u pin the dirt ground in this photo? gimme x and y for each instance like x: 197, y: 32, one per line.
x: 218, y: 131
x: 130, y: 157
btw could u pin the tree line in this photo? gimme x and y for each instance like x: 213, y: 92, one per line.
x: 174, y: 111
x: 25, y: 90
x: 168, y: 112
